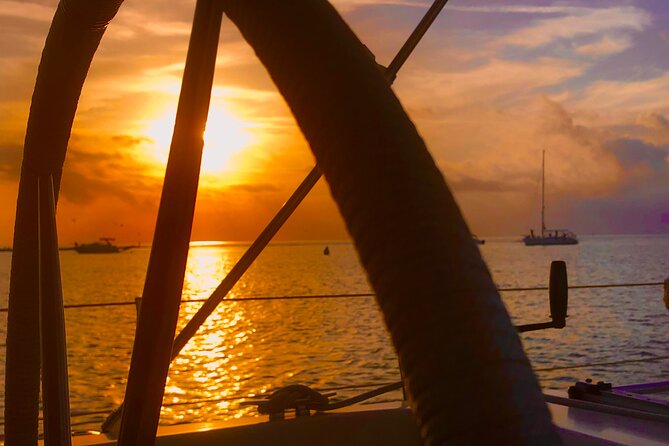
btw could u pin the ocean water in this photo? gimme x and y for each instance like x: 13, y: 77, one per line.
x: 246, y: 349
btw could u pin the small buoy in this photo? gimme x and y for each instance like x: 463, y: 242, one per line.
x: 666, y: 293
x: 326, y: 251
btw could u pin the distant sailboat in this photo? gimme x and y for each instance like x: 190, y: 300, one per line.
x: 548, y: 236
x: 326, y: 251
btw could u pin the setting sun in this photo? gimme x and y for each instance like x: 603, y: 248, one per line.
x: 225, y: 135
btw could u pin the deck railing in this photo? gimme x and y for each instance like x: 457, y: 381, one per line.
x: 358, y: 295
x: 102, y: 412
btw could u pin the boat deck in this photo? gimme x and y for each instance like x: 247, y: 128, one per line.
x: 392, y: 424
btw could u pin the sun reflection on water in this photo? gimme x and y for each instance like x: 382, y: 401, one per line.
x: 209, y: 366
x: 206, y: 267
x: 248, y: 349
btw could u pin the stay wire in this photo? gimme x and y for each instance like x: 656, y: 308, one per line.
x: 351, y: 295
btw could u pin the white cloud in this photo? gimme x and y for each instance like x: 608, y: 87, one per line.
x: 26, y: 10
x: 132, y: 23
x: 344, y: 6
x: 628, y: 97
x: 580, y: 22
x: 517, y: 9
x: 605, y: 46
x: 496, y: 80
x: 171, y: 28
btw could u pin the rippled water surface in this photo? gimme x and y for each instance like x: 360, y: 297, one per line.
x: 249, y: 348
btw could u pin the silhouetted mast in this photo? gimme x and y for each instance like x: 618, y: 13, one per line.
x: 543, y: 188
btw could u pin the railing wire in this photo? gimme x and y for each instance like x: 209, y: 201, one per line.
x: 351, y: 295
x: 358, y: 295
x: 363, y: 386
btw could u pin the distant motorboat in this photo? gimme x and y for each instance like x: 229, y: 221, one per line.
x: 477, y: 240
x: 548, y: 236
x: 104, y: 246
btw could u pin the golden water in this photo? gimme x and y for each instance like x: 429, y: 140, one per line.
x: 249, y: 348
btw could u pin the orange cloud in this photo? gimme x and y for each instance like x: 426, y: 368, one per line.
x: 486, y: 98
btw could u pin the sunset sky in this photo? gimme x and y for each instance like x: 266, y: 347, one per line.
x: 492, y: 84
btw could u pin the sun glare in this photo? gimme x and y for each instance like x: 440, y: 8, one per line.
x: 225, y: 135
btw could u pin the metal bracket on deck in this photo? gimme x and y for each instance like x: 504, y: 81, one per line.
x: 301, y: 399
x: 629, y: 397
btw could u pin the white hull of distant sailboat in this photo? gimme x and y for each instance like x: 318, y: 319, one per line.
x: 545, y: 240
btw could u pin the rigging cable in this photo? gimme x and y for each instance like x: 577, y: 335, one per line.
x: 353, y: 295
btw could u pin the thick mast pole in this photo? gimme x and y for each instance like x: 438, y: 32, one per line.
x: 76, y: 31
x: 164, y: 279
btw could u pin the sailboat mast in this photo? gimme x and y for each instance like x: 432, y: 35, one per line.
x: 543, y: 188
